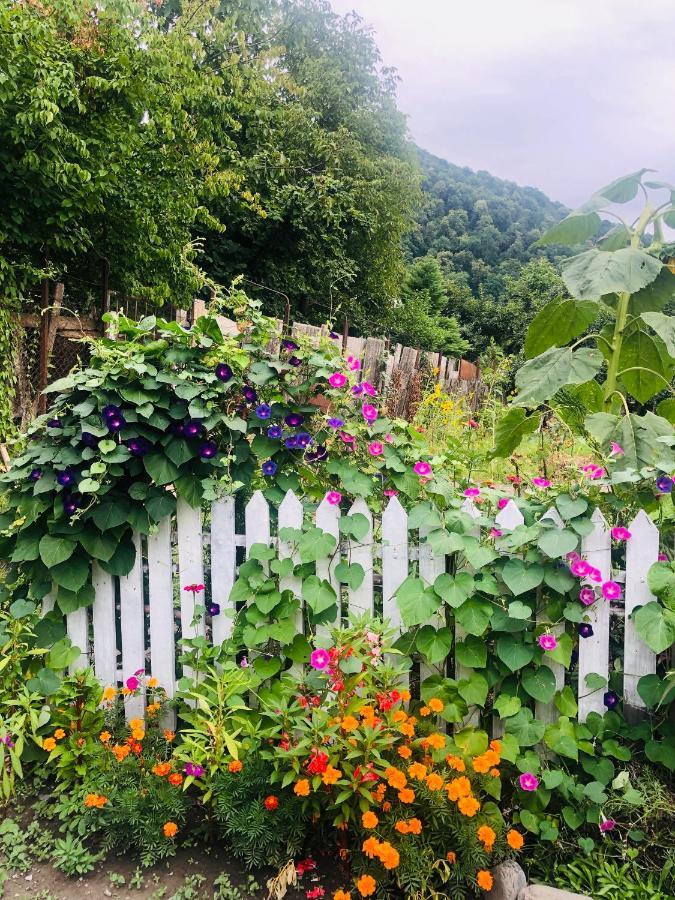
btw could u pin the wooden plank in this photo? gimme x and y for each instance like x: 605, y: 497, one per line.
x: 355, y: 346
x: 77, y: 625
x: 327, y: 518
x: 594, y: 650
x: 291, y: 516
x: 548, y: 712
x: 257, y: 519
x: 642, y: 551
x: 132, y: 620
x: 162, y: 622
x: 361, y: 598
x: 190, y: 567
x: 223, y: 566
x: 104, y: 625
x: 373, y: 353
x: 394, y: 559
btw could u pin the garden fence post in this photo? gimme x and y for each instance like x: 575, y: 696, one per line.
x: 132, y: 622
x: 431, y: 565
x: 463, y: 672
x: 190, y: 566
x: 361, y: 598
x: 642, y: 551
x: 394, y: 560
x: 77, y: 624
x: 290, y: 516
x: 223, y: 566
x: 257, y: 527
x: 327, y: 518
x: 162, y: 624
x: 548, y: 712
x: 596, y: 548
x: 104, y: 625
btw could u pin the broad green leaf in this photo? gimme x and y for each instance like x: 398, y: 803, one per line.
x: 62, y: 654
x: 623, y: 189
x: 454, y: 589
x: 566, y: 702
x: 512, y: 427
x: 655, y: 296
x: 594, y: 273
x: 318, y: 594
x: 650, y: 688
x: 563, y: 651
x: 474, y: 616
x: 570, y: 507
x: 122, y: 560
x: 661, y: 581
x: 474, y: 690
x: 316, y: 544
x: 594, y: 681
x: 160, y: 469
x: 573, y: 229
x: 507, y: 705
x: 46, y: 682
x: 471, y: 652
x: 513, y: 652
x: 266, y: 668
x: 434, y: 644
x: 561, y: 580
x: 100, y: 546
x: 20, y: 608
x: 190, y: 488
x: 664, y: 326
x: 557, y: 323
x: 416, y: 602
x: 355, y: 525
x: 637, y: 435
x: 615, y: 239
x: 539, y: 683
x: 73, y: 573
x: 519, y: 610
x: 54, y: 550
x: 655, y: 625
x: 109, y: 515
x: 525, y: 728
x: 520, y: 577
x: 556, y: 542
x: 542, y: 377
x: 529, y: 821
x: 666, y: 409
x: 573, y: 817
x: 351, y: 575
x: 643, y: 363
x: 443, y: 542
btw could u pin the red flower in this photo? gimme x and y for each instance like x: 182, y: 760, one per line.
x: 305, y: 865
x: 315, y: 893
x: 271, y: 802
x: 318, y: 762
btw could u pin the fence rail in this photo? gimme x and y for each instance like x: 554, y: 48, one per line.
x: 137, y: 621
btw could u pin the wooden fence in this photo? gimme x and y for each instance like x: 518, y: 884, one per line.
x: 132, y: 625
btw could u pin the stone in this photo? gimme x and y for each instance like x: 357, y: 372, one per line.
x: 509, y: 880
x: 543, y: 892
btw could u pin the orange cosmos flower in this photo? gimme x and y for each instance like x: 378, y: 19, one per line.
x: 371, y: 847
x: 484, y: 880
x: 514, y: 839
x: 366, y: 885
x: 170, y: 829
x: 161, y: 769
x: 176, y: 779
x: 406, y: 796
x: 301, y: 788
x: 331, y: 775
x: 436, y: 705
x: 434, y: 782
x: 48, y: 744
x: 369, y: 819
x: 451, y: 856
x: 235, y: 766
x: 468, y: 806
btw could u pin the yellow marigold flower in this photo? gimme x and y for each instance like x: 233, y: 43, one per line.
x: 401, y: 826
x: 514, y: 839
x: 366, y: 885
x: 48, y: 744
x: 349, y: 723
x: 301, y: 788
x: 104, y: 737
x: 59, y: 734
x: 436, y: 740
x: 436, y: 705
x: 434, y: 782
x: 425, y: 711
x: 456, y: 763
x: 404, y: 751
x: 371, y: 847
x: 486, y: 835
x: 417, y: 771
x: 138, y: 734
x: 414, y: 826
x: 153, y: 708
x: 331, y: 775
x: 484, y: 880
x: 136, y: 723
x: 126, y: 691
x: 468, y: 806
x: 369, y: 819
x: 152, y: 682
x: 406, y: 795
x: 109, y: 693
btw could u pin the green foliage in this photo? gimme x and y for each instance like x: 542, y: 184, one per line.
x: 72, y: 857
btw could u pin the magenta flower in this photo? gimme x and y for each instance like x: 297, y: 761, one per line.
x: 580, y: 568
x: 194, y: 588
x: 587, y: 596
x: 390, y: 492
x: 353, y: 363
x: 528, y: 781
x: 472, y: 492
x: 375, y: 449
x: 333, y: 497
x: 572, y: 556
x: 607, y: 825
x: 548, y: 641
x: 388, y: 438
x: 598, y: 473
x: 502, y: 502
x: 589, y: 469
x: 422, y: 468
x: 620, y: 533
x: 369, y: 412
x: 368, y: 389
x: 594, y: 574
x: 471, y: 423
x: 132, y: 683
x: 611, y: 590
x: 337, y: 380
x: 496, y: 533
x: 541, y: 482
x: 663, y: 557
x: 347, y: 438
x: 319, y: 659
x: 244, y: 663
x: 617, y: 449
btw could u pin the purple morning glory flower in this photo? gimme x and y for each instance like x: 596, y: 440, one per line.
x: 264, y: 411
x: 357, y: 389
x: 65, y: 478
x: 292, y: 442
x: 207, y: 450
x: 268, y: 468
x: 115, y: 423
x: 303, y: 439
x: 275, y: 432
x: 294, y: 361
x: 664, y: 484
x: 293, y: 420
x: 289, y: 345
x: 70, y: 504
x: 89, y: 439
x: 585, y: 630
x: 223, y: 372
x: 321, y: 452
x: 334, y: 336
x: 214, y: 609
x: 249, y: 394
x: 53, y: 423
x: 192, y: 428
x: 110, y: 410
x: 177, y: 428
x: 138, y: 446
x: 335, y: 423
x: 35, y: 475
x: 610, y: 699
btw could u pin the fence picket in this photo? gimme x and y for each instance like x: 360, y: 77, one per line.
x: 430, y: 567
x: 394, y: 558
x: 327, y: 518
x: 223, y: 565
x: 103, y: 623
x: 361, y: 598
x: 548, y: 712
x: 463, y: 672
x: 508, y: 518
x: 190, y: 566
x: 77, y: 625
x: 642, y: 551
x: 594, y: 651
x: 290, y: 516
x: 162, y: 624
x: 132, y: 620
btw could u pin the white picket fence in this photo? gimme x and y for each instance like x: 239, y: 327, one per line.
x: 386, y: 562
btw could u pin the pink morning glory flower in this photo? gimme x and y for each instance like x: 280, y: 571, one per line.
x: 368, y: 389
x: 528, y: 781
x: 588, y: 469
x: 541, y: 482
x: 663, y: 557
x: 502, y: 502
x: 375, y: 449
x: 132, y: 683
x: 390, y: 492
x: 337, y: 380
x: 333, y: 497
x: 594, y: 574
x: 496, y: 533
x: 422, y: 468
x: 319, y: 659
x: 620, y: 533
x: 472, y: 492
x: 244, y: 663
x: 347, y: 438
x: 369, y: 412
x: 607, y: 825
x: 611, y: 590
x: 598, y: 473
x: 580, y: 568
x: 388, y: 438
x: 617, y: 449
x: 471, y: 423
x: 572, y: 555
x: 547, y: 641
x: 353, y: 363
x: 587, y: 596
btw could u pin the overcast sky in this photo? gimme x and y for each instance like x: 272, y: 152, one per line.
x: 565, y: 95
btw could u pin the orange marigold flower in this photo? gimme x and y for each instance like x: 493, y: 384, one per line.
x: 59, y: 734
x: 366, y: 885
x: 436, y: 705
x: 161, y: 769
x: 514, y: 839
x: 417, y: 771
x: 404, y: 751
x: 458, y: 787
x: 368, y: 712
x: 176, y: 779
x: 406, y: 795
x: 484, y: 880
x: 401, y: 826
x: 496, y: 746
x: 395, y: 778
x: 399, y: 716
x: 121, y: 752
x: 388, y: 855
x: 169, y: 735
x: 152, y: 682
x: 379, y: 792
x: 48, y: 744
x: 436, y: 740
x: 135, y: 724
x: 468, y: 806
x: 414, y: 826
x: 97, y: 801
x: 109, y: 693
x: 235, y: 766
x: 494, y: 773
x: 138, y: 734
x: 451, y: 856
x: 425, y: 711
x: 405, y: 695
x: 456, y: 763
x: 407, y: 729
x: 369, y: 819
x: 371, y: 847
x: 434, y: 781
x: 486, y: 835
x: 386, y: 806
x: 331, y: 775
x: 170, y: 829
x: 349, y: 723
x: 301, y: 788
x: 342, y: 895
x: 152, y: 708
x: 104, y: 737
x: 126, y: 691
